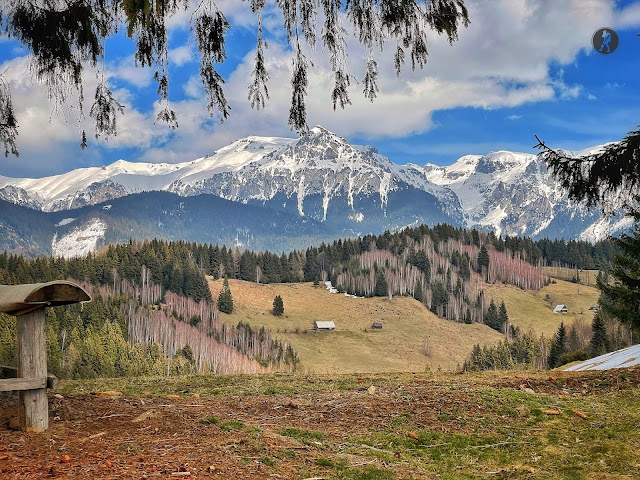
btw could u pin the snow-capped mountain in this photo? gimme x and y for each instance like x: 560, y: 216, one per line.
x: 319, y: 176
x: 350, y: 189
x: 89, y: 186
x: 514, y: 194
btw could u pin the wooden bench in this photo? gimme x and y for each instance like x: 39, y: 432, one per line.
x: 27, y: 303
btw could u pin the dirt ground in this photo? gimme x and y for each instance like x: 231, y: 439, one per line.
x: 165, y: 436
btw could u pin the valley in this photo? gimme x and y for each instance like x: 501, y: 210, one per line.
x: 409, y: 329
x: 412, y: 337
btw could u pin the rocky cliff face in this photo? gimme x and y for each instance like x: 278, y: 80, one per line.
x: 352, y: 189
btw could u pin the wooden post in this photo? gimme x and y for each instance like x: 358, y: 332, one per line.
x: 33, y: 410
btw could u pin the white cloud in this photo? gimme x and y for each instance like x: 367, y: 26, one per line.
x: 628, y: 17
x: 501, y: 60
x: 52, y: 132
x: 193, y: 87
x: 181, y: 55
x: 125, y: 69
x: 514, y: 117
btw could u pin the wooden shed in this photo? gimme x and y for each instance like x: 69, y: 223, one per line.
x: 324, y: 325
x: 377, y: 325
x: 561, y: 309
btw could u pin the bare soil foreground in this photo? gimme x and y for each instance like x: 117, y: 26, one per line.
x: 391, y: 426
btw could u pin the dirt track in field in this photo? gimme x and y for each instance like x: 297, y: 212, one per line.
x: 151, y: 436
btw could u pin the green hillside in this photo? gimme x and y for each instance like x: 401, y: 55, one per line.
x: 399, y: 346
x: 528, y: 309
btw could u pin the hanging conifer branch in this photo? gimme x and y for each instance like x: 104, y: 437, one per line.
x: 210, y: 28
x: 258, y: 89
x: 63, y: 37
x: 104, y: 109
x: 370, y: 79
x: 8, y: 122
x: 299, y: 83
x: 333, y: 37
x: 609, y: 178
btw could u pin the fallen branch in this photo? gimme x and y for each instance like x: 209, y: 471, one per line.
x: 493, y: 445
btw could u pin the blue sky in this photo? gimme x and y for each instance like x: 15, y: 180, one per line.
x: 523, y: 67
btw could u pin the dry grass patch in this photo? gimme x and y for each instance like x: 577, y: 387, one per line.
x: 587, y: 277
x: 528, y: 309
x: 409, y: 329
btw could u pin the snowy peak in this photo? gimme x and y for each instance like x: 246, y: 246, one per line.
x: 503, y: 162
x: 92, y: 185
x: 515, y: 194
x: 458, y: 172
x: 321, y: 176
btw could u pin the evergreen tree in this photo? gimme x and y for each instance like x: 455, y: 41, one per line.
x: 558, y: 346
x: 621, y: 299
x: 600, y: 339
x: 418, y: 292
x: 475, y: 237
x: 278, y: 306
x: 613, y: 172
x: 483, y: 259
x: 491, y: 317
x: 381, y: 289
x: 503, y: 318
x: 225, y: 299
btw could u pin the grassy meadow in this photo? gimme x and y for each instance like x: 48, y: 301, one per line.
x: 412, y: 338
x: 530, y: 311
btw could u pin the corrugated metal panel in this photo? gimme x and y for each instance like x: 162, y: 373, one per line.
x: 627, y: 357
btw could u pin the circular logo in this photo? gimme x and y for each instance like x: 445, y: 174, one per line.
x: 605, y: 40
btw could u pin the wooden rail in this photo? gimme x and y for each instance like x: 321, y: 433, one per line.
x: 14, y: 384
x: 7, y: 372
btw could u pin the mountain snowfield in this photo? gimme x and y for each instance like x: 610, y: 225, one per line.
x: 320, y: 176
x: 79, y: 241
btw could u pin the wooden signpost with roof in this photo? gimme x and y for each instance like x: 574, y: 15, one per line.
x: 27, y: 303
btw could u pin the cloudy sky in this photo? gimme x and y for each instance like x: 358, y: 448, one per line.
x: 523, y: 67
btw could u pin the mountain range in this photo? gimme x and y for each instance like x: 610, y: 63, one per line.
x: 282, y: 193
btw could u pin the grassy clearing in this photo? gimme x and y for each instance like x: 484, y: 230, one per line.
x: 587, y: 277
x: 525, y: 443
x: 529, y: 310
x: 221, y: 385
x: 400, y: 346
x: 422, y: 426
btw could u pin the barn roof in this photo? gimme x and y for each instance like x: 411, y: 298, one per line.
x: 560, y: 308
x: 321, y: 324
